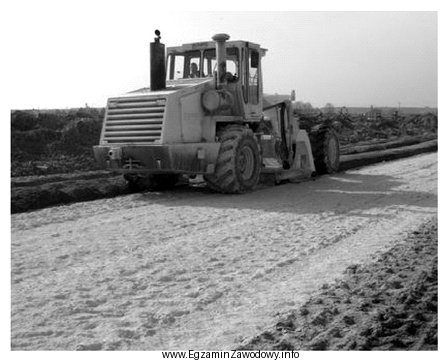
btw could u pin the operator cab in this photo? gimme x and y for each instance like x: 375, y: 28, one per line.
x: 200, y: 64
x: 199, y: 61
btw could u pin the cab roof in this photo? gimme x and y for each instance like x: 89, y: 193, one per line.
x: 203, y: 45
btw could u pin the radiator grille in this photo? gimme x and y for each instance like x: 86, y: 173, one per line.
x: 134, y: 120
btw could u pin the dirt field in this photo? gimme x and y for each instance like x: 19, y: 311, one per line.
x: 192, y: 269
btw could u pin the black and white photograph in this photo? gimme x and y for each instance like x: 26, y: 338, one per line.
x: 221, y: 183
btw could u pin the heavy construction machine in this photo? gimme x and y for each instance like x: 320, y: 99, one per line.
x: 205, y: 114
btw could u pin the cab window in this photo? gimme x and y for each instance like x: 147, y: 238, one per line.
x: 254, y: 60
x: 184, y: 65
x: 232, y: 63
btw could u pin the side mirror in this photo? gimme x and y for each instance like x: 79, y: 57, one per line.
x: 254, y: 59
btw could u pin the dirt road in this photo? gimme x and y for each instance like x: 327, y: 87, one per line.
x: 192, y: 269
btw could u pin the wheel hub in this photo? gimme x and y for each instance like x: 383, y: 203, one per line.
x: 246, y: 164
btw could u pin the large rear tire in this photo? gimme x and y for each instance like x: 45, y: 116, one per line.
x: 325, y: 147
x: 238, y: 166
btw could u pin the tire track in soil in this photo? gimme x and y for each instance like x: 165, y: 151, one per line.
x: 155, y: 271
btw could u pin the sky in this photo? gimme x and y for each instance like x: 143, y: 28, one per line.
x: 68, y: 54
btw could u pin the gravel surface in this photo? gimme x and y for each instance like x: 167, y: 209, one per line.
x: 191, y: 269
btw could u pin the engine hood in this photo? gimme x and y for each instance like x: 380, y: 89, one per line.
x: 173, y: 86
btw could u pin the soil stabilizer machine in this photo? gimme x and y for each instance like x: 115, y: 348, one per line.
x: 205, y: 114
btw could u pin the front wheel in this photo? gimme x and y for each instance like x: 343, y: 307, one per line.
x: 238, y: 166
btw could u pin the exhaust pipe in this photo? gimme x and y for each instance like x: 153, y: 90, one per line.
x: 220, y: 40
x: 157, y: 63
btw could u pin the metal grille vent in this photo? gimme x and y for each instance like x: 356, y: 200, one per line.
x: 134, y: 120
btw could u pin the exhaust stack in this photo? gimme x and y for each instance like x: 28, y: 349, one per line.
x: 157, y: 63
x: 220, y: 40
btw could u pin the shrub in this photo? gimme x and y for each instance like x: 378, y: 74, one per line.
x: 23, y: 121
x: 33, y: 142
x: 53, y: 121
x: 79, y: 136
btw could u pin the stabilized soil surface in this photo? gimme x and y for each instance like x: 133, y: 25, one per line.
x: 190, y: 269
x: 390, y: 304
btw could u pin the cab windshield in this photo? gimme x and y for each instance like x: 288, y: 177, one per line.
x: 200, y: 64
